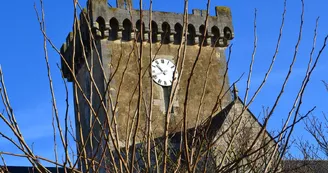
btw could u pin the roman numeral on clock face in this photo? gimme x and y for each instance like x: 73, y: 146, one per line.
x: 155, y: 76
x: 159, y: 81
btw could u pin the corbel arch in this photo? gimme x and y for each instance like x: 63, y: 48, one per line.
x: 114, y: 25
x: 178, y: 33
x: 127, y: 30
x: 166, y: 33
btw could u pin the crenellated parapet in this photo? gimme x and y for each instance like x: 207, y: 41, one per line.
x: 121, y: 24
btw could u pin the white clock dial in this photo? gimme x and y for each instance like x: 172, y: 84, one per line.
x: 162, y: 71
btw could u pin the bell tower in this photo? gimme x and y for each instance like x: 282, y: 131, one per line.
x: 103, y: 56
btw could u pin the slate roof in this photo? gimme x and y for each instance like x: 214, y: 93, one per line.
x: 28, y: 169
x: 220, y: 117
x: 305, y: 166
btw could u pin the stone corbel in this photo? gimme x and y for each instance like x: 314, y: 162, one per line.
x: 96, y: 30
x: 209, y: 38
x: 106, y: 32
x: 197, y: 39
x: 146, y: 34
x: 120, y: 32
x: 159, y: 36
x: 221, y: 42
x: 172, y: 33
x: 132, y: 35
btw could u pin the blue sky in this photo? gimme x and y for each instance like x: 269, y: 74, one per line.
x: 22, y: 59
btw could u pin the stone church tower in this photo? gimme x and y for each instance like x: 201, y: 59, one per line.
x: 106, y: 52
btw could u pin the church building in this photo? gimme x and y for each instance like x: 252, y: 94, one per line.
x: 153, y: 88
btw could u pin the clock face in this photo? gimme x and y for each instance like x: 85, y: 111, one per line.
x: 162, y: 71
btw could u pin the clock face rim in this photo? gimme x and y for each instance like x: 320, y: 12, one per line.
x: 153, y: 63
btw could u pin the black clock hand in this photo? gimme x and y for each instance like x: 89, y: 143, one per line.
x: 163, y: 71
x: 159, y: 68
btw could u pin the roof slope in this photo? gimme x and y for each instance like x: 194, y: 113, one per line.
x: 29, y: 169
x: 305, y: 166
